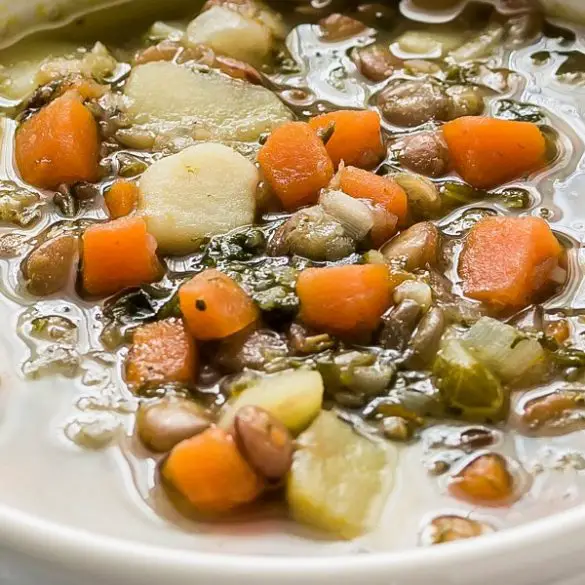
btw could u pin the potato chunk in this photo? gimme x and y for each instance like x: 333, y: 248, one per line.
x: 339, y: 479
x: 165, y: 97
x: 204, y: 190
x: 231, y: 33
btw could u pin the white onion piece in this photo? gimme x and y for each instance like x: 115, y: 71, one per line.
x: 354, y: 215
x: 416, y: 291
x: 558, y: 275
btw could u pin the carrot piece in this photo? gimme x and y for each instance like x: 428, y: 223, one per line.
x: 487, y: 152
x: 121, y: 199
x: 162, y: 352
x: 344, y: 300
x: 209, y: 471
x: 215, y: 306
x: 506, y: 260
x: 296, y: 164
x: 379, y: 190
x: 58, y: 145
x: 356, y: 138
x: 118, y: 254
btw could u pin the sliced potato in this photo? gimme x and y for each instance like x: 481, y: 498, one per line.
x: 204, y: 190
x: 165, y: 96
x: 230, y: 33
x: 293, y: 397
x: 339, y: 480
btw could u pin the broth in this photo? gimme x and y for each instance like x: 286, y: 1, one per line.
x: 317, y: 76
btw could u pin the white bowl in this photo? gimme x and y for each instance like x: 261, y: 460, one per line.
x: 64, y: 528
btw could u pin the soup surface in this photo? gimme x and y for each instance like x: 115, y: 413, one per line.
x: 294, y: 273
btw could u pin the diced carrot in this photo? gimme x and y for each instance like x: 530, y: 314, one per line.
x: 506, y: 260
x: 296, y: 164
x: 118, y: 254
x: 380, y: 190
x: 344, y: 300
x: 58, y: 145
x: 162, y: 352
x: 121, y: 199
x: 209, y: 471
x: 487, y: 152
x: 356, y: 138
x: 215, y: 306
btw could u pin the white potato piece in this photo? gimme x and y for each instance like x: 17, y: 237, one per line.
x: 230, y: 33
x: 163, y: 97
x: 20, y: 64
x: 204, y: 190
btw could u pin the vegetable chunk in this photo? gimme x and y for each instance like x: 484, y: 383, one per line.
x: 379, y: 190
x: 487, y: 152
x: 344, y: 300
x: 209, y: 471
x: 507, y: 260
x: 122, y: 198
x: 215, y: 306
x: 356, y: 138
x: 58, y: 145
x: 161, y: 353
x: 118, y: 254
x: 339, y: 479
x: 206, y: 189
x: 293, y: 397
x: 296, y: 164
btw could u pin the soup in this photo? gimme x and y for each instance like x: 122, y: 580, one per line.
x: 317, y: 262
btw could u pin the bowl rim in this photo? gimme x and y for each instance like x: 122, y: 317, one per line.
x: 48, y: 541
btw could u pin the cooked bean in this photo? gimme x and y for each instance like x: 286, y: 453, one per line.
x: 399, y: 324
x: 411, y: 103
x: 375, y: 62
x: 486, y: 480
x: 397, y: 428
x: 238, y: 69
x: 417, y: 246
x: 48, y: 268
x: 551, y: 408
x: 427, y: 338
x: 265, y: 441
x: 337, y: 27
x: 165, y: 423
x: 426, y: 154
x: 451, y: 528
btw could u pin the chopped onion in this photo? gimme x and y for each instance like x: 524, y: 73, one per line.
x: 504, y: 350
x: 558, y: 275
x: 416, y: 291
x: 354, y: 215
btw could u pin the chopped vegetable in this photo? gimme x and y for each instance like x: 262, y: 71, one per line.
x: 293, y: 397
x: 379, y: 190
x: 426, y: 153
x: 356, y: 138
x: 204, y: 190
x: 214, y: 306
x: 337, y: 27
x: 339, y: 479
x: 58, y: 145
x: 505, y: 351
x: 49, y: 267
x: 487, y: 152
x: 344, y: 300
x: 118, y: 254
x: 355, y: 216
x: 122, y: 198
x: 422, y: 194
x: 417, y: 246
x: 161, y: 353
x: 507, y: 260
x: 467, y: 385
x: 485, y: 481
x: 166, y: 422
x: 375, y: 62
x: 209, y: 471
x: 296, y: 164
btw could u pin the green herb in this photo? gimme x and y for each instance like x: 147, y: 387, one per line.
x: 513, y: 110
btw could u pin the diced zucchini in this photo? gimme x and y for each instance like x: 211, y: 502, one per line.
x: 204, y: 190
x: 293, y: 397
x: 339, y: 479
x: 467, y: 385
x: 170, y: 99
